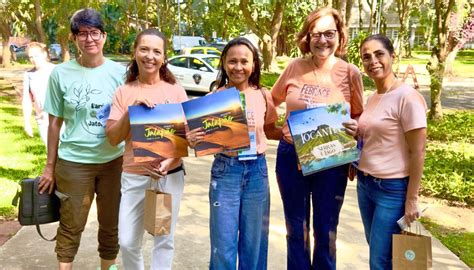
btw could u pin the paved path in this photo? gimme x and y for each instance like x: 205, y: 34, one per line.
x: 27, y: 251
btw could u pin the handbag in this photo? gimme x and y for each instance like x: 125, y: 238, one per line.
x: 411, y: 251
x: 158, y: 211
x: 35, y: 208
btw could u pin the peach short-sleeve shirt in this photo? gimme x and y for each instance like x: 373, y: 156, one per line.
x: 300, y: 87
x: 382, y: 127
x: 259, y: 112
x: 159, y: 93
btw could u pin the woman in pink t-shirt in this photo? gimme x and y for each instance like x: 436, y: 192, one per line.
x: 149, y: 82
x: 318, y: 78
x: 239, y: 194
x: 392, y: 134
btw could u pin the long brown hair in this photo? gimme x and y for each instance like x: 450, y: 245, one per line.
x: 132, y: 68
x: 303, y: 38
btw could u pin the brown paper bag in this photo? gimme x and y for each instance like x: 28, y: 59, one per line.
x: 411, y: 251
x: 157, y: 219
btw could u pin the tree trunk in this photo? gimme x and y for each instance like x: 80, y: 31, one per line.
x: 266, y: 31
x: 449, y: 71
x: 436, y: 70
x: 361, y: 22
x: 6, y: 54
x: 372, y: 14
x: 65, y: 53
x: 38, y: 24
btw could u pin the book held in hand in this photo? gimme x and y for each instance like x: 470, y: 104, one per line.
x: 221, y: 116
x: 158, y: 132
x: 320, y: 139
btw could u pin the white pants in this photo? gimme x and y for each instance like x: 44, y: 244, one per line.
x: 131, y: 221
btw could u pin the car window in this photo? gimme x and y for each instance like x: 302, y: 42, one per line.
x: 179, y: 62
x: 196, y: 64
x: 212, y: 61
x: 212, y: 52
x: 196, y: 51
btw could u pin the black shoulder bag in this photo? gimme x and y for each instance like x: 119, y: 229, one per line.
x: 35, y: 208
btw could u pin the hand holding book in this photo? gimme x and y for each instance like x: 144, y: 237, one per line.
x: 195, y: 136
x: 350, y: 127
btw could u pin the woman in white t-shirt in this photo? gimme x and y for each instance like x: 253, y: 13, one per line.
x: 392, y: 134
x: 35, y: 82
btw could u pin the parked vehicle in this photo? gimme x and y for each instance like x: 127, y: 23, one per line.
x: 18, y: 52
x: 201, y: 50
x: 181, y: 42
x: 55, y: 52
x: 196, y: 72
x: 218, y: 45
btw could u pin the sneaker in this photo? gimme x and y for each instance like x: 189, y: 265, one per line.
x: 112, y: 267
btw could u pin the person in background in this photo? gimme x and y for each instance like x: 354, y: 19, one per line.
x: 239, y: 194
x: 149, y: 82
x: 392, y: 133
x: 81, y: 162
x: 35, y: 82
x: 318, y: 78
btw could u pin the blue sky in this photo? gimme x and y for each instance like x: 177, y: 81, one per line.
x: 219, y: 101
x: 162, y: 113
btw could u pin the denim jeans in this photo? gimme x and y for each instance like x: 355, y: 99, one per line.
x: 325, y: 191
x: 239, y: 198
x: 381, y: 204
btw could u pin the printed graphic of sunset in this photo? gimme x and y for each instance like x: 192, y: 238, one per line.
x: 158, y: 132
x: 221, y: 116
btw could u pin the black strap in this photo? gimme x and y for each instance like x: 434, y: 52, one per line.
x: 36, y: 210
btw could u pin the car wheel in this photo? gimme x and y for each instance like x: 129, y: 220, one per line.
x: 213, y: 87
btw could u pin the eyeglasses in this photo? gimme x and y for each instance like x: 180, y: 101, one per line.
x: 95, y: 35
x: 328, y: 34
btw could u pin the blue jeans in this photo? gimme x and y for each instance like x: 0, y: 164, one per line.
x: 381, y: 204
x: 325, y: 191
x: 239, y: 198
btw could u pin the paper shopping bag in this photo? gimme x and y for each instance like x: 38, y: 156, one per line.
x: 157, y: 219
x: 411, y: 251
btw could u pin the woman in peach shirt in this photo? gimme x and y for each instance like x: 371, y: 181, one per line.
x: 318, y: 78
x: 392, y: 133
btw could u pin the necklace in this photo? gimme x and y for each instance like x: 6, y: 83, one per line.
x: 319, y: 80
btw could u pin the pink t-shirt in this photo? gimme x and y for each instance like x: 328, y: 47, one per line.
x: 301, y: 87
x: 382, y: 127
x: 257, y: 109
x: 159, y: 93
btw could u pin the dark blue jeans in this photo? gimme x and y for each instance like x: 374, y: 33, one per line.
x: 381, y: 204
x: 325, y: 191
x: 239, y: 198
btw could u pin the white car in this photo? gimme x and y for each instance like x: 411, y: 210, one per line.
x: 196, y: 72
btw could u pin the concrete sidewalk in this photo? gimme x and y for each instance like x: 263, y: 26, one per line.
x: 26, y: 250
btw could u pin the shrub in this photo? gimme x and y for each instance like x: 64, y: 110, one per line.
x: 448, y: 172
x: 353, y: 53
x: 458, y: 126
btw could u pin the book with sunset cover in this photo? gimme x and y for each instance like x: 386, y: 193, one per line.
x: 320, y: 139
x: 221, y: 116
x: 158, y: 132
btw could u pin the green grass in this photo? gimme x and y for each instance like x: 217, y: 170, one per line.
x: 460, y: 243
x: 20, y: 156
